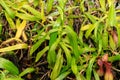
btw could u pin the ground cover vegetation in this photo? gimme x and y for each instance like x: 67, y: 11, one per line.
x: 59, y: 39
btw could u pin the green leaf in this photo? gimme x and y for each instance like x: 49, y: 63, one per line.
x: 118, y: 32
x: 105, y: 40
x: 8, y: 65
x: 62, y: 3
x: 78, y: 77
x: 73, y: 41
x: 7, y: 9
x: 36, y: 2
x: 94, y: 26
x: 27, y: 16
x: 63, y: 75
x: 102, y: 4
x: 91, y: 17
x: 38, y: 34
x: 53, y: 35
x: 26, y: 71
x: 2, y: 74
x: 82, y: 8
x: 89, y: 31
x: 36, y: 13
x: 112, y: 43
x: 86, y: 49
x: 40, y: 53
x: 114, y: 58
x: 89, y: 69
x: 42, y: 11
x: 74, y: 66
x: 58, y: 66
x: 61, y: 13
x: 96, y: 75
x: 0, y: 28
x: 112, y: 16
x: 49, y: 5
x: 10, y: 21
x: 53, y: 42
x: 37, y: 44
x: 51, y: 57
x: 67, y: 53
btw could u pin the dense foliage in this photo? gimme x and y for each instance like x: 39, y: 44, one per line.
x: 59, y: 39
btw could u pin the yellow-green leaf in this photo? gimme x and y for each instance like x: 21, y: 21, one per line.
x: 102, y: 4
x: 10, y: 21
x: 86, y: 27
x: 33, y: 11
x: 7, y: 9
x: 74, y: 66
x: 110, y: 2
x: 40, y: 53
x: 26, y: 16
x: 89, y: 69
x: 26, y: 71
x: 112, y: 43
x: 49, y: 5
x: 67, y: 53
x: 112, y: 16
x: 58, y: 66
x: 20, y: 29
x: 15, y: 47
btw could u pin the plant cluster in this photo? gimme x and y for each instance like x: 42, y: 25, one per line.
x: 73, y: 39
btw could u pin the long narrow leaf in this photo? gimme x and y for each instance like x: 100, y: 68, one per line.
x: 8, y: 10
x: 20, y: 29
x: 91, y: 17
x: 15, y: 47
x: 102, y: 4
x: 8, y: 65
x: 39, y: 54
x: 49, y: 5
x: 1, y: 26
x: 26, y: 71
x: 62, y: 76
x: 105, y: 40
x: 37, y: 44
x: 67, y: 53
x: 27, y: 16
x: 74, y: 66
x: 42, y: 11
x: 89, y: 69
x: 51, y: 57
x: 96, y: 75
x: 73, y: 41
x: 112, y: 16
x: 58, y: 66
x: 118, y: 32
x: 33, y: 11
x: 112, y: 43
x: 10, y: 21
x: 114, y: 58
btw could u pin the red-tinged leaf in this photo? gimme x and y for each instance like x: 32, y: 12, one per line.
x: 108, y: 73
x: 100, y: 70
x: 115, y: 36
